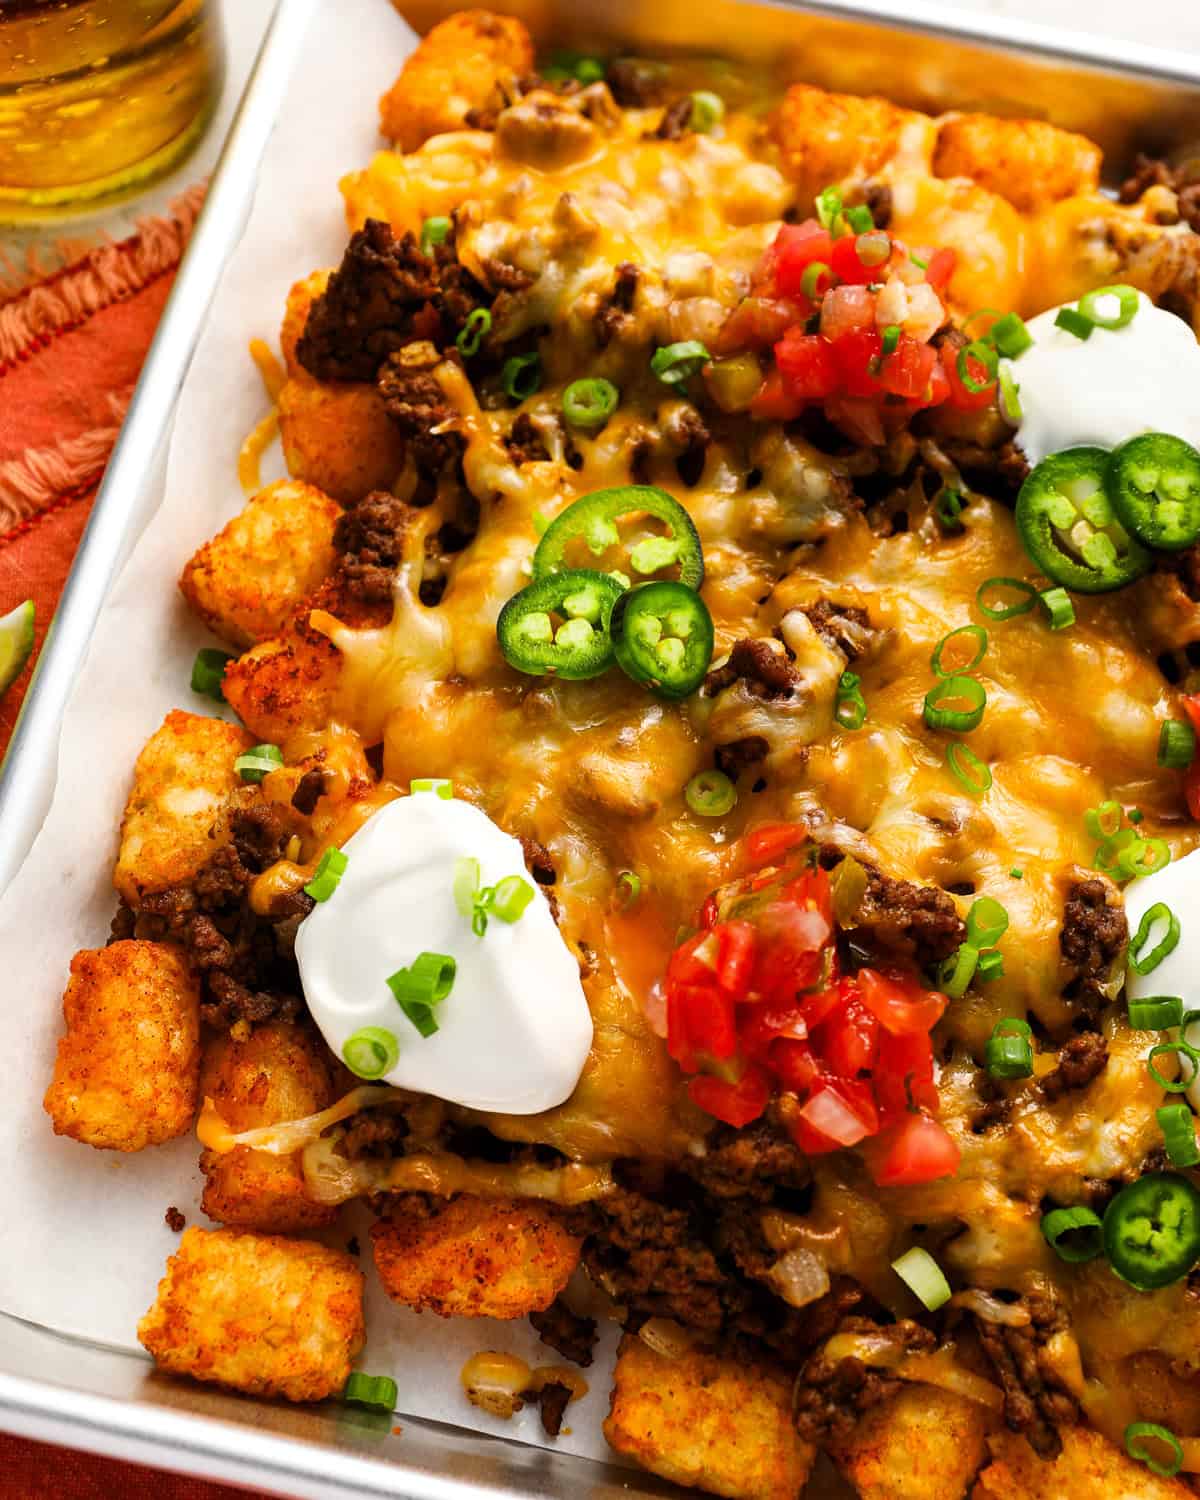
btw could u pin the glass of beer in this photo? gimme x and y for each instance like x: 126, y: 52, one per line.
x: 99, y: 97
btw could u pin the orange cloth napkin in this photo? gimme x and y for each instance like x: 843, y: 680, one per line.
x: 71, y: 346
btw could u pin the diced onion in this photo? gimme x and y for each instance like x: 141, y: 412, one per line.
x: 666, y: 1337
x: 799, y: 1277
x: 991, y: 1309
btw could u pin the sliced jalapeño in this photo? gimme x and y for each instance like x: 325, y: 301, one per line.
x: 1152, y: 1230
x: 591, y: 522
x: 1069, y: 527
x: 662, y: 635
x: 1154, y: 483
x: 560, y: 624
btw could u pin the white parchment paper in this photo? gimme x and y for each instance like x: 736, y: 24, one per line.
x: 82, y: 1237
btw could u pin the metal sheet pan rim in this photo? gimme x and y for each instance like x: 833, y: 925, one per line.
x: 141, y: 1429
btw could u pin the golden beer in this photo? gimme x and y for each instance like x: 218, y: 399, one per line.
x: 98, y: 97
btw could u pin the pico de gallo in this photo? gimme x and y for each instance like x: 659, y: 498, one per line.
x: 759, y: 1004
x: 849, y: 317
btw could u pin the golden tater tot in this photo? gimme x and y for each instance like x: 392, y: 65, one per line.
x: 1026, y: 161
x: 257, y: 1313
x: 300, y: 298
x: 278, y: 1073
x: 920, y: 1444
x: 338, y: 437
x: 454, y: 70
x: 1089, y: 1465
x: 824, y: 138
x: 182, y: 782
x: 126, y: 1072
x: 248, y: 581
x: 474, y: 1257
x: 716, y: 1424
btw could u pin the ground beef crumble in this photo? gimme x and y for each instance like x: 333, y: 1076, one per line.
x: 1080, y: 1061
x: 762, y: 664
x: 370, y: 540
x: 676, y: 120
x: 309, y: 791
x: 1185, y: 566
x: 415, y: 402
x: 832, y: 1395
x: 845, y: 627
x: 525, y: 443
x: 174, y: 1220
x: 374, y: 1132
x: 1150, y: 171
x: 740, y: 755
x: 750, y: 1163
x: 552, y: 1400
x: 566, y: 1332
x: 917, y: 922
x: 614, y: 316
x: 634, y: 82
x: 1093, y: 937
x: 1035, y: 1401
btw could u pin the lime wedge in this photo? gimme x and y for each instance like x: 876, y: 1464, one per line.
x: 16, y: 642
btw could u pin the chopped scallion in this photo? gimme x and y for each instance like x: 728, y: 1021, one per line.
x: 1178, y: 1126
x: 1057, y: 604
x: 1144, y: 960
x: 376, y: 1392
x: 371, y: 1052
x: 1073, y: 1234
x: 330, y: 869
x: 473, y: 332
x: 923, y: 1277
x: 711, y: 794
x: 252, y: 765
x: 438, y: 785
x: 1176, y: 745
x: 208, y: 672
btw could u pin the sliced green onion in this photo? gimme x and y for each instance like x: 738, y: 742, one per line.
x: 377, y: 1392
x: 711, y: 794
x: 474, y: 331
x: 921, y: 265
x: 1008, y: 1052
x: 968, y: 769
x: 923, y: 1277
x: 1137, y: 1449
x: 434, y: 231
x: 1127, y: 306
x: 510, y: 897
x: 1073, y: 1234
x: 1178, y: 1126
x: 813, y: 273
x: 982, y: 353
x: 850, y: 708
x: 1006, y: 611
x: 1058, y: 607
x: 829, y: 207
x: 588, y: 404
x: 957, y: 971
x: 1010, y: 335
x: 208, y: 672
x: 1016, y: 874
x: 371, y: 1052
x: 1010, y: 397
x: 967, y: 691
x: 891, y: 338
x: 1184, y: 1049
x: 1143, y: 857
x: 629, y: 888
x: 1104, y: 821
x: 948, y: 508
x: 1135, y: 815
x: 465, y: 885
x: 438, y: 785
x: 330, y: 869
x: 1073, y: 321
x: 675, y: 364
x: 991, y: 966
x: 708, y: 110
x: 1105, y: 857
x: 1146, y: 962
x: 1176, y: 745
x: 977, y: 634
x: 589, y: 70
x: 425, y: 983
x: 521, y: 375
x: 859, y: 218
x: 873, y: 248
x: 252, y: 765
x: 1156, y: 1012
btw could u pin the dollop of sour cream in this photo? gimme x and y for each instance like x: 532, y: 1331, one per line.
x: 1177, y: 885
x: 515, y: 1030
x: 1109, y: 387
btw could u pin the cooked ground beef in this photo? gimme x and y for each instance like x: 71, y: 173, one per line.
x: 502, y: 277
x: 831, y: 1396
x: 1081, y: 1060
x: 676, y: 120
x: 175, y: 1220
x: 917, y: 922
x: 998, y: 471
x: 385, y: 293
x: 740, y: 754
x: 878, y: 198
x: 370, y: 539
x: 634, y: 82
x: 1093, y: 937
x: 845, y: 627
x: 538, y: 861
x: 525, y: 443
x: 309, y: 791
x: 761, y: 663
x: 689, y: 438
x: 1186, y: 567
x: 552, y: 1399
x: 749, y: 1163
x: 416, y: 404
x: 1150, y: 171
x: 1035, y: 1402
x: 374, y: 1132
x: 572, y: 1336
x: 614, y: 316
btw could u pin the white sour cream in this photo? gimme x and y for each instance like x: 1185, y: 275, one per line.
x: 1178, y: 886
x: 1144, y: 377
x: 514, y: 1031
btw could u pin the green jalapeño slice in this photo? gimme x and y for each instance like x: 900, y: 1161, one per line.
x: 663, y: 636
x: 591, y: 522
x: 1154, y: 482
x: 1069, y: 527
x: 1152, y: 1230
x: 560, y: 624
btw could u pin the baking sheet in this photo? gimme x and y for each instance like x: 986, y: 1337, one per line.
x: 82, y: 1240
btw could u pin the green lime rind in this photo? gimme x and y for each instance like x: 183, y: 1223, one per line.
x: 16, y: 643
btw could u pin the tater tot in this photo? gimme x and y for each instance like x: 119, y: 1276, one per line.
x: 277, y: 1073
x: 920, y: 1444
x: 474, y: 1257
x: 455, y: 69
x: 127, y: 1068
x: 1088, y: 1466
x: 1026, y: 161
x: 824, y: 138
x: 338, y: 437
x: 257, y: 1313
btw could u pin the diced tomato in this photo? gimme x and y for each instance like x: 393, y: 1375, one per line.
x: 806, y: 364
x: 709, y: 912
x: 916, y: 1150
x: 960, y: 396
x: 737, y: 949
x: 817, y: 1005
x: 792, y: 950
x: 678, y: 1044
x: 811, y: 1141
x: 794, y: 249
x: 940, y: 268
x: 841, y: 1109
x: 858, y: 417
x: 908, y: 370
x: 794, y: 1065
x: 847, y: 265
x: 694, y: 961
x: 938, y: 389
x: 759, y: 322
x: 735, y: 1103
x: 847, y: 309
x: 856, y: 357
x: 812, y: 891
x: 900, y: 1005
x: 849, y: 1039
x: 768, y: 1022
x: 775, y: 404
x: 770, y: 842
x: 903, y: 1075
